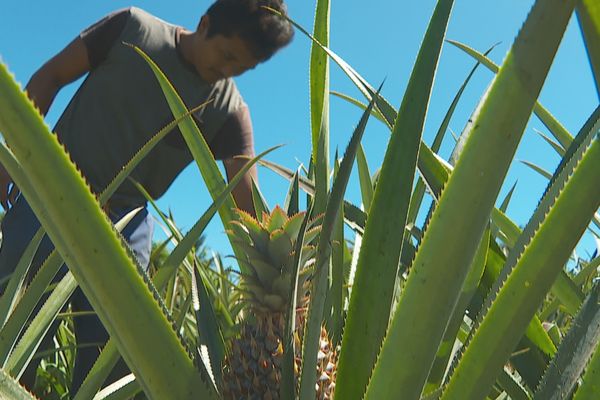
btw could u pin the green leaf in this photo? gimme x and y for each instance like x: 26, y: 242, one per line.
x: 209, y: 333
x: 103, y: 366
x: 509, y: 383
x: 538, y: 169
x: 379, y: 257
x: 320, y: 282
x: 292, y: 226
x: 436, y: 376
x: 574, y: 352
x: 292, y: 202
x: 16, y: 322
x: 276, y: 220
x: 288, y: 375
x: 375, y: 112
x: 280, y: 248
x: 260, y: 204
x: 305, y: 184
x: 11, y: 390
x: 590, y: 387
x: 588, y: 15
x: 9, y: 299
x: 334, y: 313
x: 124, y: 389
x: 464, y: 208
x: 34, y: 334
x: 506, y: 201
x: 364, y: 176
x: 584, y: 274
x: 419, y: 192
x: 319, y: 105
x: 557, y: 147
x: 568, y: 293
x: 437, y: 141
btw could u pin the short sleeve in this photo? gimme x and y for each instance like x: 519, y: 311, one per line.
x: 235, y: 137
x: 100, y: 37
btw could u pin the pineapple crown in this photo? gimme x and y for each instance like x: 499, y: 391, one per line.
x: 269, y: 247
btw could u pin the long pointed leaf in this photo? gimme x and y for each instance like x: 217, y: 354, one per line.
x: 590, y: 387
x: 32, y: 338
x: 538, y: 169
x: 333, y: 312
x: 260, y: 204
x: 574, y: 352
x: 375, y: 112
x: 319, y: 105
x: 366, y: 184
x: 292, y: 201
x: 288, y: 375
x: 10, y: 332
x: 588, y: 14
x: 320, y: 281
x: 9, y: 297
x: 209, y: 332
x: 557, y: 147
x: 11, y: 390
x: 440, y: 364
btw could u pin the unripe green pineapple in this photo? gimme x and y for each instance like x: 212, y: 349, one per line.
x: 253, y: 368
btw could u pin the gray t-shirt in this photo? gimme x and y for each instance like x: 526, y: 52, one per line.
x: 120, y: 106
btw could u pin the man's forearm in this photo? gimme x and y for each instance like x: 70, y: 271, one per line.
x: 242, y: 193
x: 65, y: 67
x: 42, y: 91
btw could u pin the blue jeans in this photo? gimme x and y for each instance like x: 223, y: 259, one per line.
x: 18, y: 228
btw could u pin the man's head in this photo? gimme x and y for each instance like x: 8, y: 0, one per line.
x: 235, y: 35
x: 264, y: 31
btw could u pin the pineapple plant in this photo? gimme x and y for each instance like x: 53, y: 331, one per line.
x: 253, y: 368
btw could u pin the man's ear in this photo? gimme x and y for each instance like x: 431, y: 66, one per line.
x: 203, y: 24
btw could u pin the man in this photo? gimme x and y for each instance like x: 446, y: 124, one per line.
x: 119, y: 106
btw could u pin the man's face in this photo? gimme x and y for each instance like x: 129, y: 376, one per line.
x: 218, y: 57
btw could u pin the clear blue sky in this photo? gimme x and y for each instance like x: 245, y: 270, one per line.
x: 380, y: 40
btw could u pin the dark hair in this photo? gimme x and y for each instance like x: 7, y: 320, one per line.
x: 263, y: 30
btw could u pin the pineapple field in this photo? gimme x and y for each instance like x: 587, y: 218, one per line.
x: 424, y: 289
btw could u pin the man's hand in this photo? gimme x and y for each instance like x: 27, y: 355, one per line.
x: 8, y: 190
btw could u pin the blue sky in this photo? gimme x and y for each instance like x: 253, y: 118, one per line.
x: 380, y: 40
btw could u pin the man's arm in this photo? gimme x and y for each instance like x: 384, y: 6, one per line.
x: 63, y: 68
x: 242, y: 193
x: 236, y: 138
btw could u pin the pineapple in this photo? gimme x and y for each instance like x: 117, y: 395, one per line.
x: 253, y: 367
